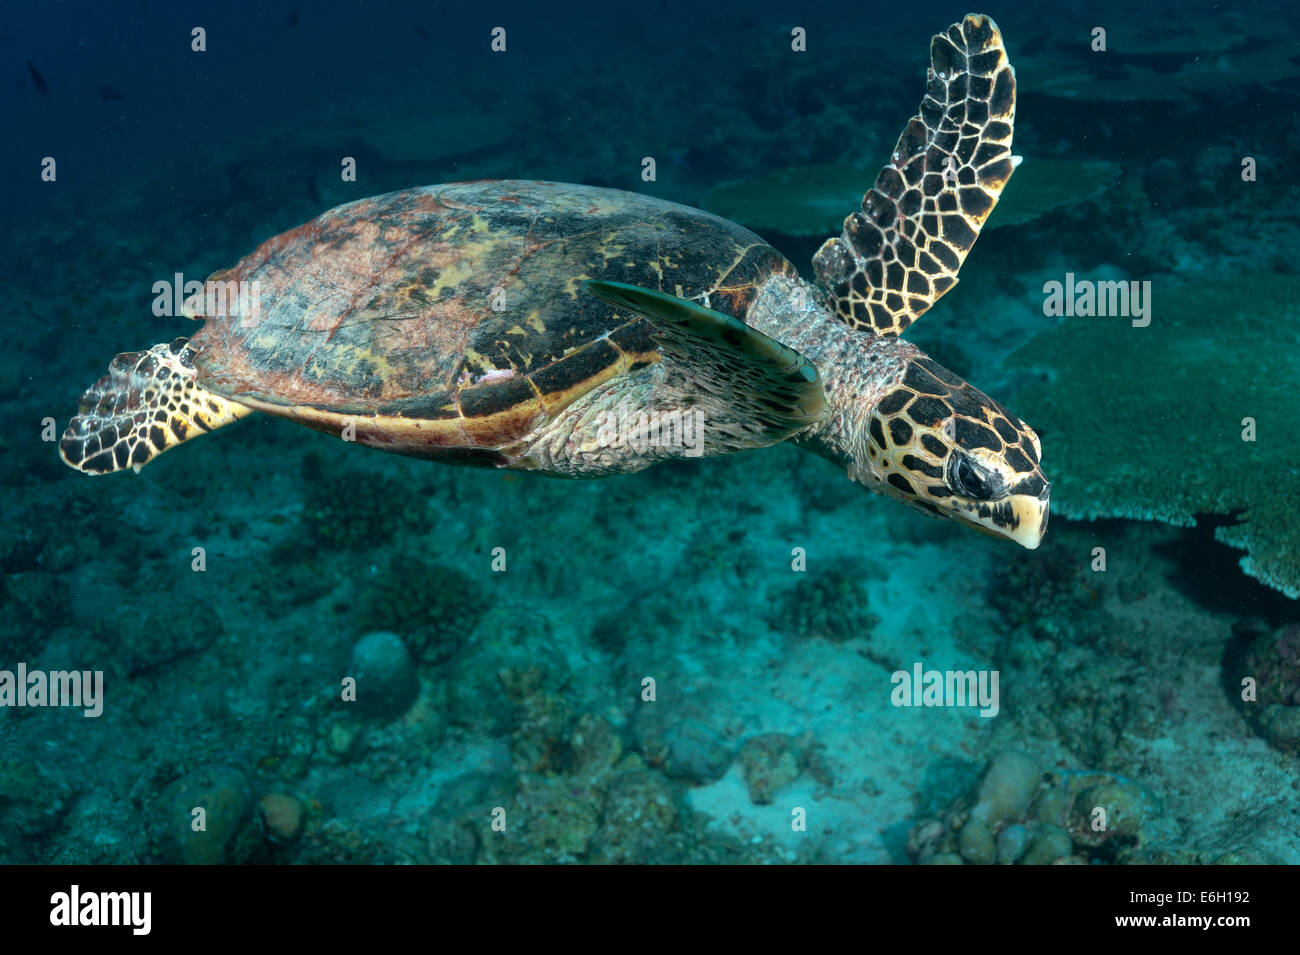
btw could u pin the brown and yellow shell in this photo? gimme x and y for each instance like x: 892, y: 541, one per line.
x: 454, y: 317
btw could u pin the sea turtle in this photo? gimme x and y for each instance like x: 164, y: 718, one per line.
x: 581, y: 332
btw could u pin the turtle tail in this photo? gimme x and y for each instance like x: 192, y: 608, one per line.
x: 148, y: 402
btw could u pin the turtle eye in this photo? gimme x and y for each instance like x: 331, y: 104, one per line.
x: 973, y: 480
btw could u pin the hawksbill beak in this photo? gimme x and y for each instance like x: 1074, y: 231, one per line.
x: 1029, y: 518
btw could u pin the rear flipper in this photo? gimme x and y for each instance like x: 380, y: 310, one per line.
x: 148, y: 402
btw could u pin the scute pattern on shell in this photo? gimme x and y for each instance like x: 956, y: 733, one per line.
x: 386, y: 306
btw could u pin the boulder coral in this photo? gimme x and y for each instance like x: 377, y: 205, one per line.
x: 1020, y: 814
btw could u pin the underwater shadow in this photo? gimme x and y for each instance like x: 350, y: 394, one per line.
x: 1209, y: 573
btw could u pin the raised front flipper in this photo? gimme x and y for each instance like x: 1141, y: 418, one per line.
x: 898, y: 255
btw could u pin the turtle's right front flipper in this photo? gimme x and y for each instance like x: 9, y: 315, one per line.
x: 148, y: 402
x: 903, y: 250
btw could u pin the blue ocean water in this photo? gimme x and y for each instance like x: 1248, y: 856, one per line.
x: 341, y: 655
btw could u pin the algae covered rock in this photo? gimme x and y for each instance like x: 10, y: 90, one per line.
x: 640, y: 810
x: 462, y: 817
x: 1273, y: 662
x: 1280, y: 725
x: 542, y: 713
x: 546, y: 821
x: 1011, y: 843
x: 355, y: 510
x: 685, y: 748
x: 767, y: 763
x: 201, y: 812
x: 281, y: 815
x: 1110, y: 809
x: 975, y: 842
x: 385, y: 675
x: 695, y: 753
x: 594, y: 746
x: 32, y: 803
x: 1049, y: 844
x: 507, y: 642
x: 38, y: 605
x: 41, y: 599
x: 158, y: 638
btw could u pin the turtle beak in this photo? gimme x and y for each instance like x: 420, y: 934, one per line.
x: 1029, y: 517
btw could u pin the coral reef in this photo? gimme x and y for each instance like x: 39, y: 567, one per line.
x: 1213, y: 54
x: 153, y: 640
x: 801, y: 201
x: 1174, y: 447
x: 1273, y: 661
x: 434, y: 608
x: 353, y: 509
x: 640, y: 810
x: 516, y: 697
x: 811, y: 201
x: 39, y: 604
x: 1044, y: 184
x: 1019, y: 814
x: 281, y: 815
x: 32, y: 806
x: 831, y: 604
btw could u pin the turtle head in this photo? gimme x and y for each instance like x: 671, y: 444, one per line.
x: 945, y: 447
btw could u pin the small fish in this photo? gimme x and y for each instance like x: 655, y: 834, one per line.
x: 111, y: 94
x: 37, y: 80
x: 292, y: 19
x: 421, y: 31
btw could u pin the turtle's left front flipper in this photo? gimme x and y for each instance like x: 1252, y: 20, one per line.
x: 903, y: 250
x: 770, y: 391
